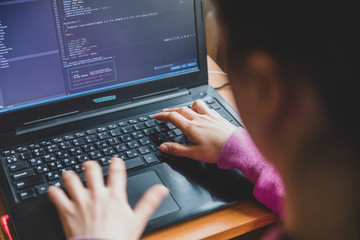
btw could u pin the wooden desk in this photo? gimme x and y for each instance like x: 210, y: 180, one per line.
x: 227, y: 223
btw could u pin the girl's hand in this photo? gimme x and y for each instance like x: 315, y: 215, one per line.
x: 205, y: 128
x: 100, y: 211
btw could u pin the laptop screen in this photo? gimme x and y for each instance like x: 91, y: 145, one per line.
x: 57, y: 49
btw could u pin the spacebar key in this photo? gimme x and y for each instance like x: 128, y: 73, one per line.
x: 133, y: 163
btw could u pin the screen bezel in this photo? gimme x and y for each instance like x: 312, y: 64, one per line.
x: 17, y: 118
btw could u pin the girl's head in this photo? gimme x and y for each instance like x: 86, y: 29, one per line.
x: 294, y: 67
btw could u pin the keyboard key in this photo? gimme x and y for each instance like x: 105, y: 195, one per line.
x: 112, y: 126
x: 137, y: 135
x: 145, y: 141
x: 121, y: 148
x: 49, y: 158
x: 127, y: 129
x: 56, y: 165
x: 89, y: 147
x: 143, y: 150
x: 143, y: 119
x: 56, y: 183
x: 113, y: 141
x: 91, y: 131
x: 149, y: 132
x: 134, y: 163
x: 103, y: 136
x: 126, y: 138
x: 151, y: 116
x: 45, y: 143
x: 101, y: 129
x: 210, y: 101
x: 95, y: 154
x: 63, y: 154
x: 18, y: 166
x: 42, y: 189
x: 8, y: 152
x: 168, y: 135
x: 69, y: 162
x: 75, y: 151
x: 25, y: 155
x: 78, y: 142
x: 150, y: 158
x: 115, y: 132
x: 181, y: 139
x: 23, y: 174
x: 133, y: 121
x: 158, y: 138
x: 65, y: 145
x: 150, y: 123
x: 108, y: 151
x: 178, y: 132
x: 69, y: 137
x: 33, y: 146
x: 131, y: 153
x: 133, y: 144
x: 82, y: 158
x: 101, y: 144
x: 35, y: 161
x: 53, y: 176
x: 105, y: 161
x: 26, y: 194
x: 91, y: 138
x: 122, y: 124
x: 120, y: 155
x: 65, y: 169
x: 139, y: 126
x: 78, y: 168
x: 21, y: 149
x: 154, y: 147
x: 12, y: 159
x: 225, y: 115
x: 57, y: 140
x: 29, y: 182
x: 42, y: 168
x: 215, y: 106
x: 52, y: 148
x: 39, y: 152
x: 80, y: 134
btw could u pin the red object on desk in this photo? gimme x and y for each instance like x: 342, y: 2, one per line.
x: 5, y: 226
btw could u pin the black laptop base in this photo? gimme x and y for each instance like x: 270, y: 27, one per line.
x: 196, y: 188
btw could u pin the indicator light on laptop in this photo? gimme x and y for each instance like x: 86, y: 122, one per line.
x: 5, y: 226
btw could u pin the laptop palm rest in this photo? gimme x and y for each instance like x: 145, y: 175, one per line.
x: 137, y: 186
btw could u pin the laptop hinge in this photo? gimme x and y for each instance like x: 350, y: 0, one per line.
x: 58, y: 120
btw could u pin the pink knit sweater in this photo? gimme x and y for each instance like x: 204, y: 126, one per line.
x: 241, y: 153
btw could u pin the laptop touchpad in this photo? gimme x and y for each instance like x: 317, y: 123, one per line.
x: 137, y: 186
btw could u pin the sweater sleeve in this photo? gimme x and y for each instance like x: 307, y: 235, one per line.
x: 241, y: 153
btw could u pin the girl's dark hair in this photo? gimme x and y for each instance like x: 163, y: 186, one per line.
x: 321, y: 38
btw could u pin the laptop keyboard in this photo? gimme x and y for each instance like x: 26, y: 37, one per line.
x: 36, y: 166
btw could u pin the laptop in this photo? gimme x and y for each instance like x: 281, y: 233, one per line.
x: 82, y: 80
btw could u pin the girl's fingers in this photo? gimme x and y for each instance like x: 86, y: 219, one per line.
x: 59, y: 198
x: 200, y: 107
x: 74, y: 186
x: 117, y: 176
x: 178, y: 149
x: 184, y: 111
x: 175, y: 118
x: 93, y: 175
x: 149, y: 202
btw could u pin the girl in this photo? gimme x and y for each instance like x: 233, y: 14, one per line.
x: 293, y: 67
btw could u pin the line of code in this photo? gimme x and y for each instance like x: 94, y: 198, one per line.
x: 4, y: 50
